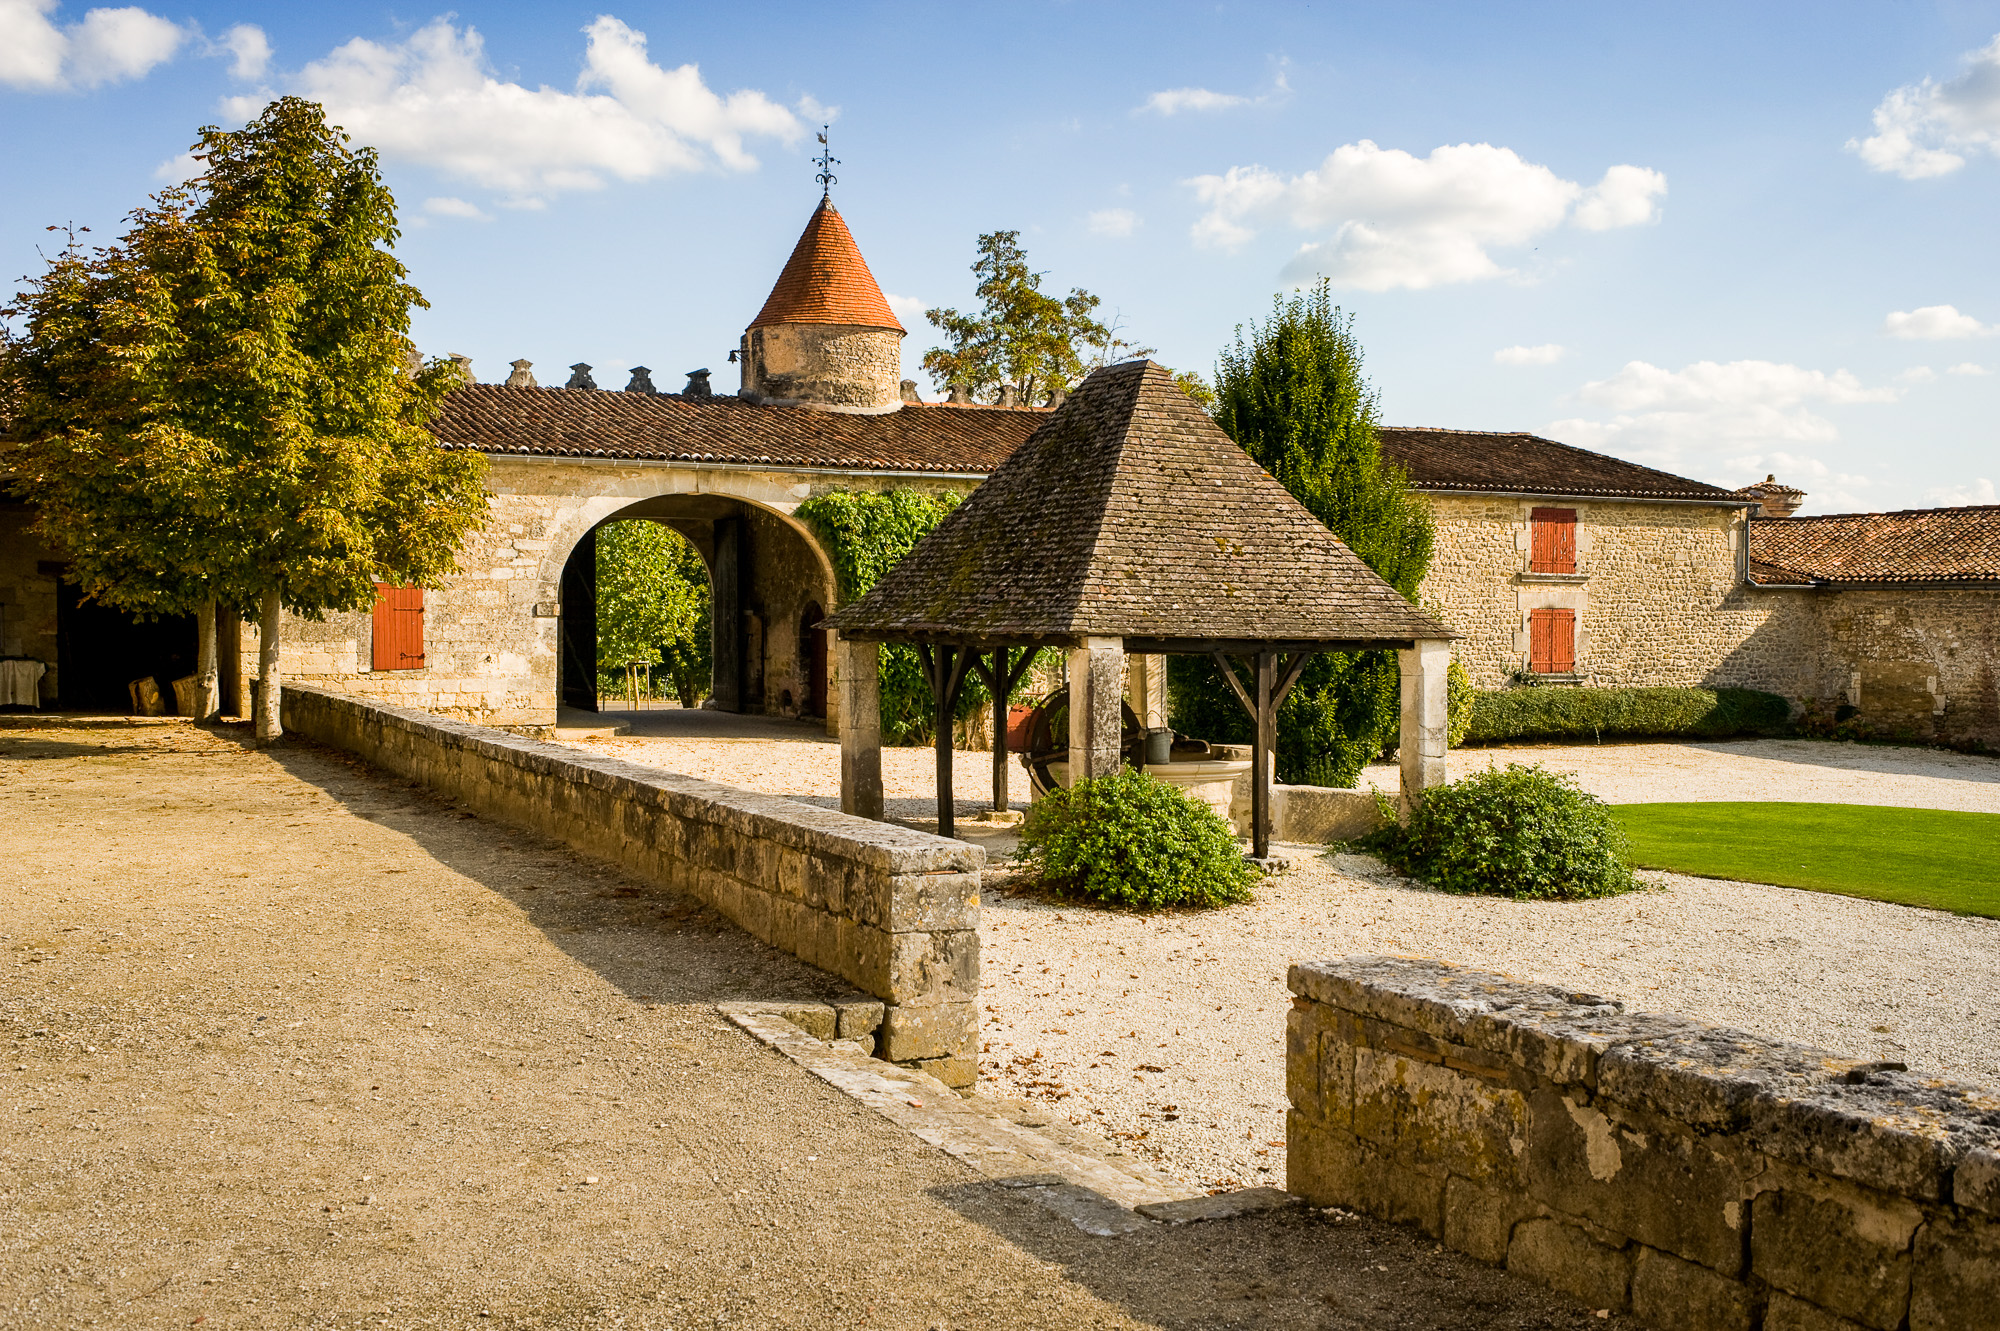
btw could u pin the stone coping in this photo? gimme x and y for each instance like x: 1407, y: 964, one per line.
x: 805, y: 827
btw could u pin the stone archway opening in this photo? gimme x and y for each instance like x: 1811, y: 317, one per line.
x: 768, y: 581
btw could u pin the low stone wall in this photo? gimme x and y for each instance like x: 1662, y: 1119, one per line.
x: 894, y: 911
x: 1697, y: 1177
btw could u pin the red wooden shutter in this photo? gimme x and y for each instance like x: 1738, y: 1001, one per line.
x: 399, y: 627
x: 1553, y: 536
x: 1552, y: 641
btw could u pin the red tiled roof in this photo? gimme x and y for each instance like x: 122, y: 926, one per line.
x: 1479, y: 461
x: 583, y: 422
x: 1913, y: 546
x: 826, y: 281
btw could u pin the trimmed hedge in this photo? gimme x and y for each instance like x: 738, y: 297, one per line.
x: 1553, y: 712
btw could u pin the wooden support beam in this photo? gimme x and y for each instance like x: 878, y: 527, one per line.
x: 1266, y: 715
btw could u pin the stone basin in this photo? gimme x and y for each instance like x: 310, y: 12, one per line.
x: 1208, y: 779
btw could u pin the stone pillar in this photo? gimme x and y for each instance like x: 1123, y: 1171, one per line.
x: 1149, y: 690
x: 1096, y: 706
x: 1421, y: 747
x: 859, y: 667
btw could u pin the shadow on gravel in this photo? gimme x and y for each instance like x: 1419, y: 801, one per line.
x: 1294, y: 1268
x: 653, y: 945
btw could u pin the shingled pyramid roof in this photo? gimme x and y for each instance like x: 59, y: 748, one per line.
x: 826, y: 281
x: 1129, y: 514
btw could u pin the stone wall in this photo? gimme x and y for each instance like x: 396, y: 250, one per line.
x: 1917, y: 663
x: 27, y: 594
x: 1699, y: 1178
x: 893, y: 911
x: 1658, y: 595
x: 837, y: 367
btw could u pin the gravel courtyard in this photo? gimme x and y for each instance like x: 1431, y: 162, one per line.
x: 1167, y: 1031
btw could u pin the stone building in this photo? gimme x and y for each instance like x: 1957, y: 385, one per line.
x: 1551, y: 560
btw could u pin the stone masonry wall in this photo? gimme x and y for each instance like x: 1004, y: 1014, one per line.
x: 841, y: 367
x: 1657, y: 595
x: 1917, y: 663
x: 27, y: 595
x: 893, y: 911
x: 1699, y: 1178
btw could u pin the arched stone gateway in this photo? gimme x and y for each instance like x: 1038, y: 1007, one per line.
x: 500, y: 638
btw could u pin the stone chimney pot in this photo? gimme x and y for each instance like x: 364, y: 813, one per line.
x: 579, y: 377
x: 523, y: 375
x: 958, y: 394
x: 1006, y: 395
x: 910, y: 391
x: 642, y: 381
x: 1773, y: 500
x: 697, y: 386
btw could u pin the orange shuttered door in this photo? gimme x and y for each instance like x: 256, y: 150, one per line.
x: 399, y: 627
x: 1552, y: 641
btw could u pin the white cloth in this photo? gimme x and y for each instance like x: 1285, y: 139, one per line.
x: 20, y: 683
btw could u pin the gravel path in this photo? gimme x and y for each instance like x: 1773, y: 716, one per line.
x: 1167, y: 1032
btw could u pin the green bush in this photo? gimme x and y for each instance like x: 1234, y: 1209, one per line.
x: 1133, y: 840
x: 1516, y: 831
x: 1459, y: 700
x: 1594, y: 714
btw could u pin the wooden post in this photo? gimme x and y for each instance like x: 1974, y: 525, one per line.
x: 1264, y: 742
x: 940, y: 663
x: 996, y: 684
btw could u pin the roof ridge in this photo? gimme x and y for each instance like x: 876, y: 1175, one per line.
x: 1888, y: 513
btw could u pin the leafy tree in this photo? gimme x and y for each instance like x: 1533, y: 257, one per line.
x: 653, y: 604
x: 1292, y: 394
x: 1021, y: 335
x: 218, y: 408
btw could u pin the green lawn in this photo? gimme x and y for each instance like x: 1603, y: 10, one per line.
x: 1916, y: 857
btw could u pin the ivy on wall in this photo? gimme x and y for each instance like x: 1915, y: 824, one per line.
x: 865, y: 534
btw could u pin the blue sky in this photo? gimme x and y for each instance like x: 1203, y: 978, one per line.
x: 1728, y: 240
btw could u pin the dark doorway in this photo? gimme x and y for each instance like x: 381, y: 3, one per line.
x: 812, y: 651
x: 729, y: 578
x: 576, y: 668
x: 100, y: 651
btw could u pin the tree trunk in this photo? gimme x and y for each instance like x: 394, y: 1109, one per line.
x: 268, y: 728
x: 208, y: 685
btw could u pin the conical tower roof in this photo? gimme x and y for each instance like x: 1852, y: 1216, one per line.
x: 826, y: 281
x: 1130, y: 514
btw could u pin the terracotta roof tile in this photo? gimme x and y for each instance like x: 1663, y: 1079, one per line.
x: 826, y: 281
x: 582, y: 422
x: 1129, y: 514
x: 1911, y: 546
x: 1471, y: 461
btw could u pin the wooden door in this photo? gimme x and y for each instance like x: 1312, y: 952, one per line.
x: 812, y: 650
x: 1552, y: 641
x: 399, y: 627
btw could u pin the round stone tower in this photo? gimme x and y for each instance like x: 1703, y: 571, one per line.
x: 826, y: 338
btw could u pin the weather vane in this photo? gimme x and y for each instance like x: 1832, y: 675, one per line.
x: 827, y: 161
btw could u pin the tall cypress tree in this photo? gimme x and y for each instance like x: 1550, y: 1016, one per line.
x: 1292, y: 394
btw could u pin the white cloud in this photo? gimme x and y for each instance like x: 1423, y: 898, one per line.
x: 1175, y: 100
x: 434, y: 100
x: 1404, y: 221
x: 908, y: 310
x: 1967, y: 367
x: 249, y: 51
x: 1716, y: 421
x: 1917, y: 374
x: 1548, y: 353
x: 448, y: 206
x: 1924, y: 129
x: 1114, y: 222
x: 1627, y: 196
x: 1934, y: 323
x: 1979, y: 492
x: 108, y: 46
